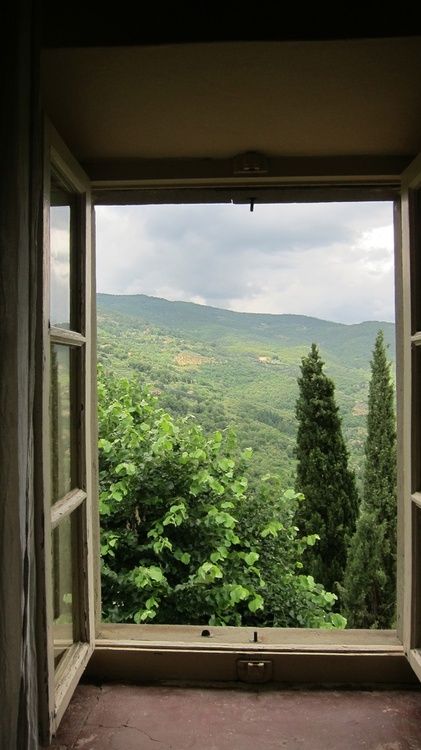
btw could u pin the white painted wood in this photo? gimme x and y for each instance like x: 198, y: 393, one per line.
x: 416, y: 498
x: 59, y: 684
x: 65, y: 337
x: 65, y: 162
x: 414, y: 658
x: 404, y: 395
x: 408, y: 494
x: 241, y: 638
x: 416, y: 339
x: 297, y: 647
x: 91, y: 431
x: 68, y: 673
x: 66, y: 505
x: 228, y: 635
x: 411, y: 177
x: 94, y: 437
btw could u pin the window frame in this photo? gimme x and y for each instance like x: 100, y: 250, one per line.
x: 57, y: 683
x: 410, y: 424
x: 154, y: 652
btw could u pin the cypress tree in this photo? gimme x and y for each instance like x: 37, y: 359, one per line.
x: 370, y: 582
x: 330, y: 504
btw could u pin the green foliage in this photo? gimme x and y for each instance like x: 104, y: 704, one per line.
x: 182, y: 541
x: 292, y: 598
x: 239, y: 369
x: 331, y: 501
x: 370, y: 581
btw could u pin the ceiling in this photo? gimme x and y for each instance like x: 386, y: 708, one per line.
x: 214, y: 100
x: 96, y: 24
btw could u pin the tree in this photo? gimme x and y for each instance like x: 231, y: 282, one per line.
x: 181, y: 540
x: 331, y: 501
x: 370, y: 582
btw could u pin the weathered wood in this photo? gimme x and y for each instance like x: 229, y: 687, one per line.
x: 44, y: 490
x: 409, y: 397
x: 403, y: 398
x: 94, y: 477
x: 66, y: 505
x: 68, y: 674
x: 289, y: 668
x: 177, y: 193
x: 415, y: 661
x: 58, y: 686
x: 20, y: 194
x: 360, y: 170
x: 401, y: 314
x: 411, y: 174
x: 185, y: 635
x: 416, y: 498
x: 416, y: 567
x: 65, y: 337
x: 90, y: 450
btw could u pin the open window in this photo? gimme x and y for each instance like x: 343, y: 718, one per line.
x: 237, y: 640
x: 409, y: 418
x: 224, y: 365
x: 69, y: 494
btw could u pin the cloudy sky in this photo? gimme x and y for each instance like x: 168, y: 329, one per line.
x: 332, y: 260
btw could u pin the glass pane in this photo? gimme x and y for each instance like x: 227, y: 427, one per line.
x: 61, y: 421
x: 60, y: 254
x: 62, y: 588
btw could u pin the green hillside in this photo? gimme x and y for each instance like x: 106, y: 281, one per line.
x: 240, y: 369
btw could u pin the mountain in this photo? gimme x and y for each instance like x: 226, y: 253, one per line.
x: 231, y: 368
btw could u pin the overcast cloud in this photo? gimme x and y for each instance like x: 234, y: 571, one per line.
x: 331, y: 261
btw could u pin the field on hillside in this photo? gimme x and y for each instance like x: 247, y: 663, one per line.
x: 238, y: 369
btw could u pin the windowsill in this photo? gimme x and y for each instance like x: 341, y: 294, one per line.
x: 179, y: 654
x: 241, y: 638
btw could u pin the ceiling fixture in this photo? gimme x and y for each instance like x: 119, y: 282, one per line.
x: 251, y: 163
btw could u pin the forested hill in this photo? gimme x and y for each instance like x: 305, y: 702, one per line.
x: 350, y: 343
x: 238, y: 368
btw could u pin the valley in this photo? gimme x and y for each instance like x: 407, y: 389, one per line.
x: 239, y: 369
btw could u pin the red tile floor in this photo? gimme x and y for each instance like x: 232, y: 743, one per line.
x: 129, y: 717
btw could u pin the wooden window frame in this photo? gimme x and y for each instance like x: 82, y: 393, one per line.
x: 56, y: 684
x: 410, y: 425
x: 155, y: 653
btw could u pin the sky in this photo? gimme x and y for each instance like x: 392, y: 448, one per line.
x: 332, y: 261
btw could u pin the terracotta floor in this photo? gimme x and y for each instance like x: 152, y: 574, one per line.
x: 127, y: 717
